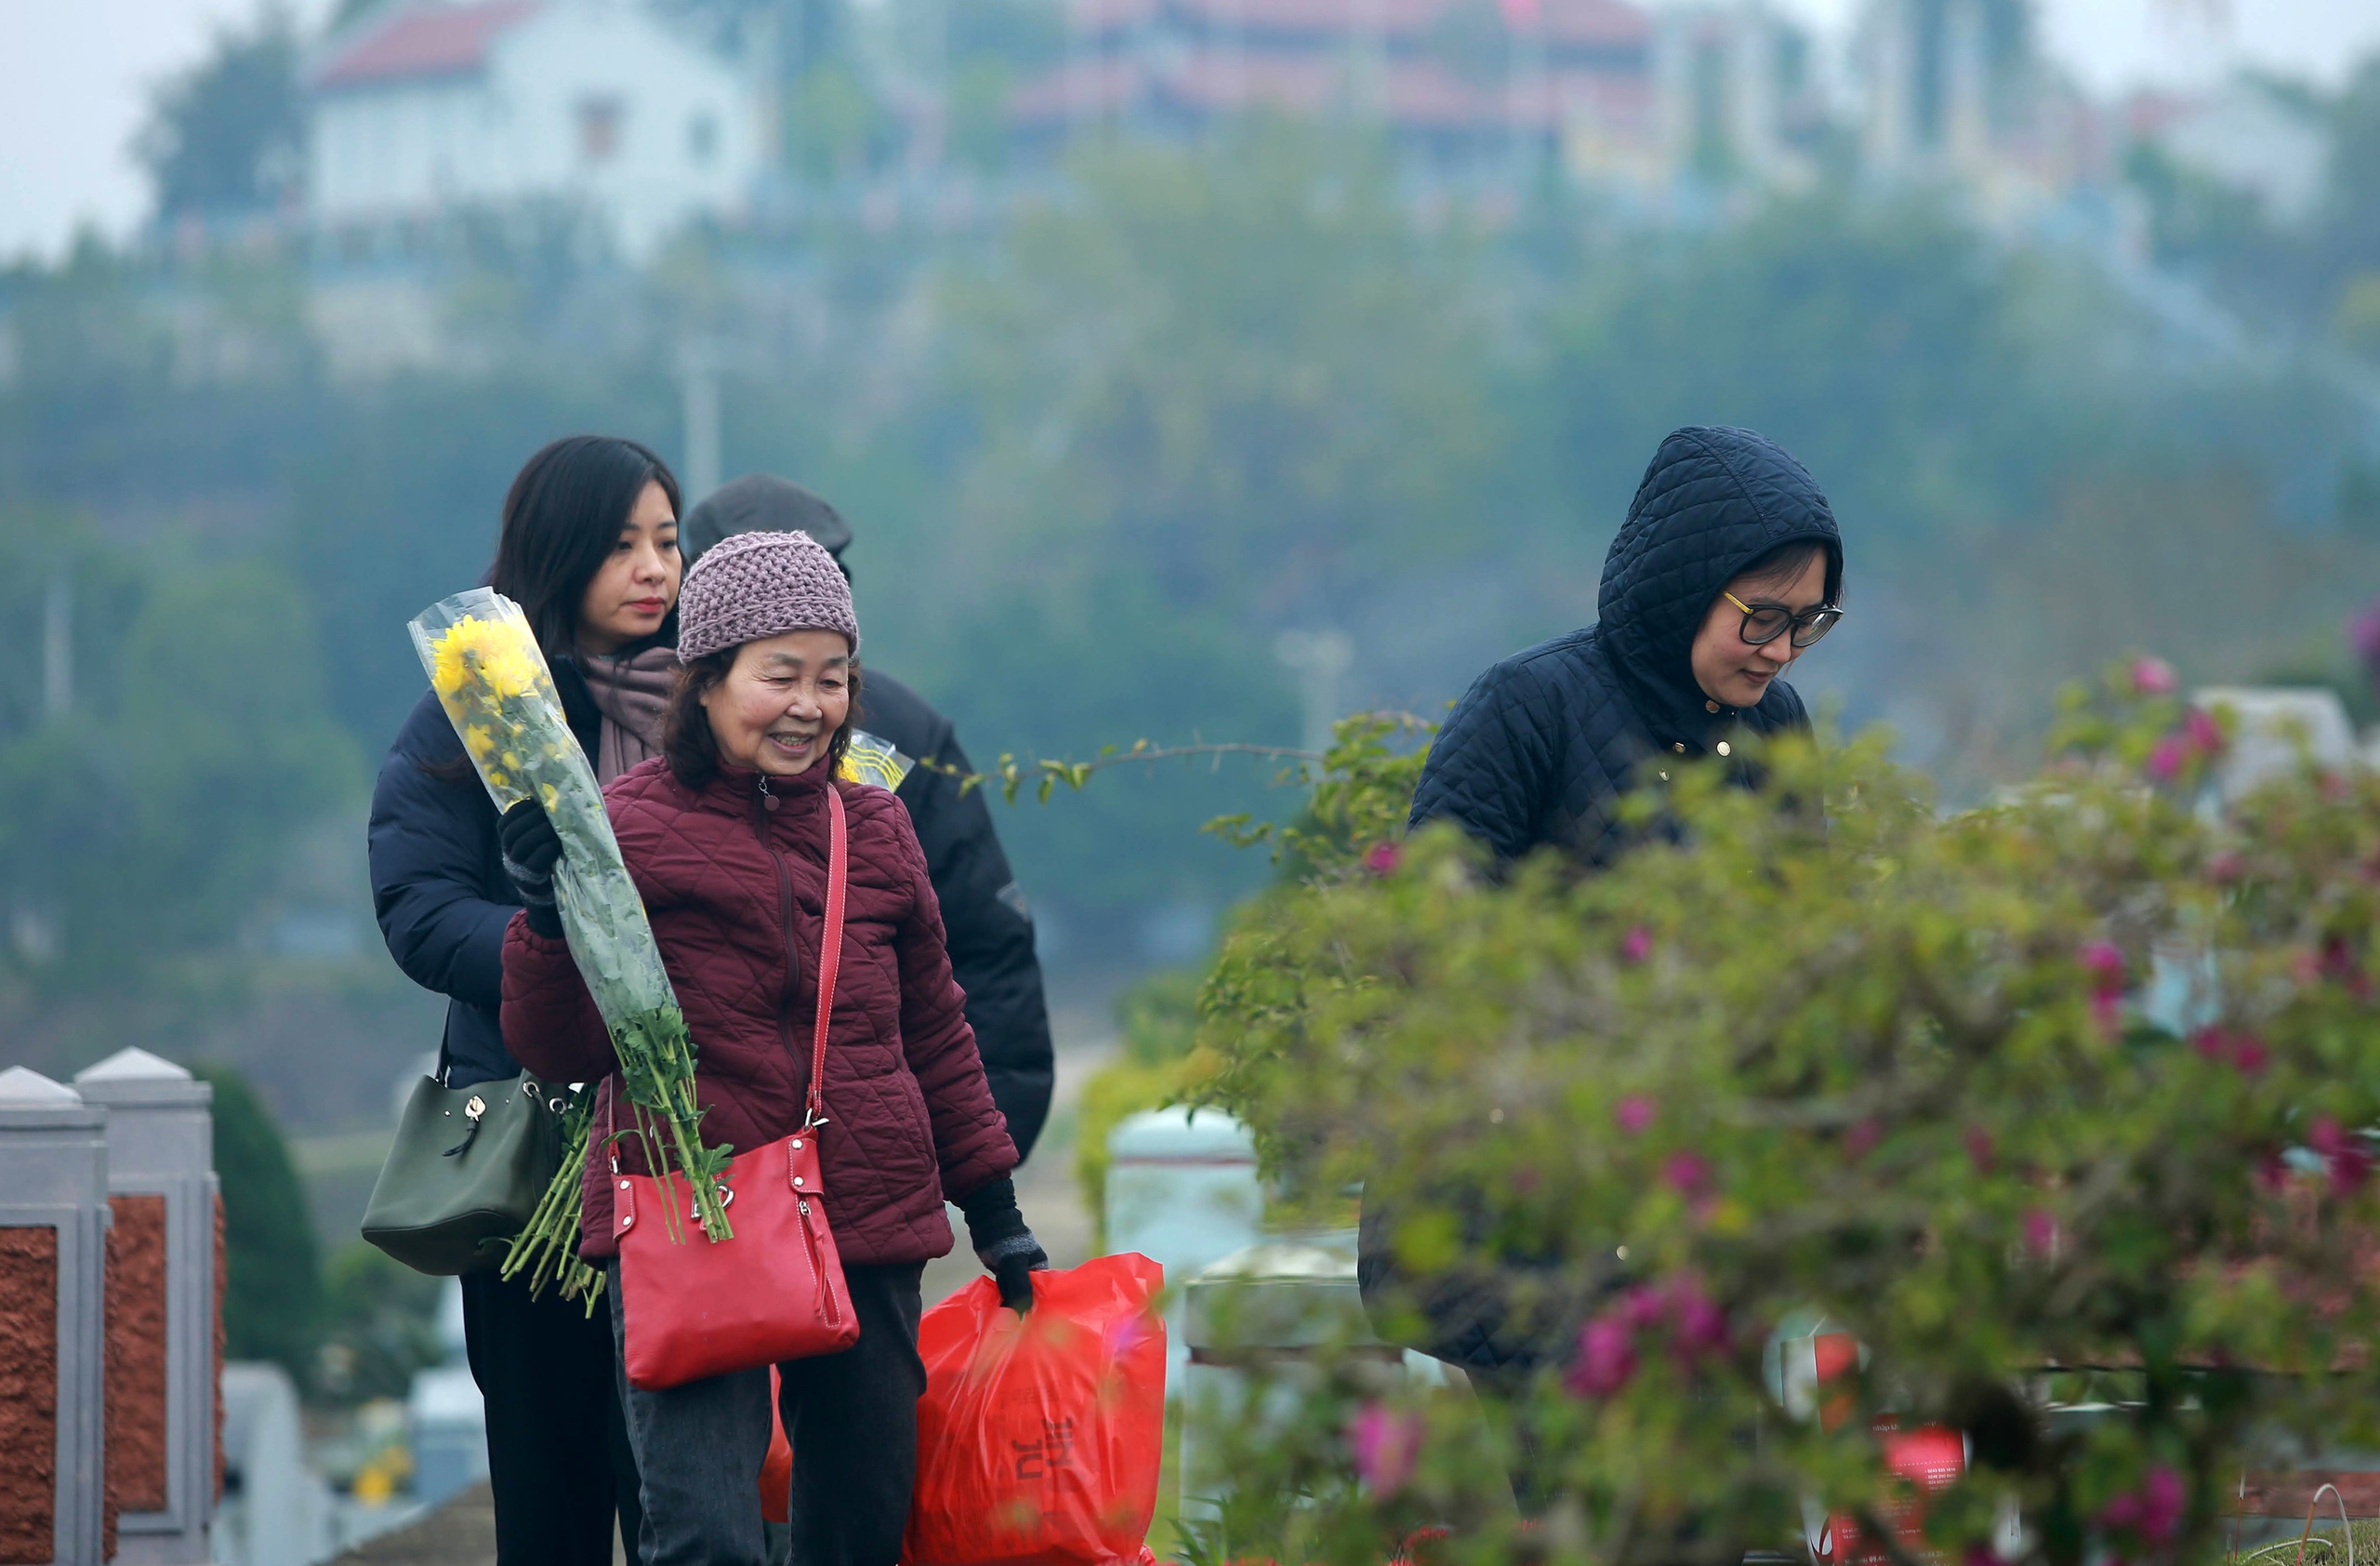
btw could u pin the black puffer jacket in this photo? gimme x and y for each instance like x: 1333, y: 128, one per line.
x: 1543, y: 744
x: 438, y: 881
x: 988, y: 925
x: 1540, y: 749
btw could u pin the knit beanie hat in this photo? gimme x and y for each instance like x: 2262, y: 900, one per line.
x: 757, y: 585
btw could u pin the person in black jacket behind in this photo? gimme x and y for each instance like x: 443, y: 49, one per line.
x: 989, y: 926
x: 1542, y: 745
x: 1727, y: 567
x: 588, y: 549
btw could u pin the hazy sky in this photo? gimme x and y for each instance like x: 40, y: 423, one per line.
x: 81, y: 70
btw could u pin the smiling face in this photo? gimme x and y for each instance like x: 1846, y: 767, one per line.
x: 781, y: 702
x: 1731, y: 670
x: 632, y: 592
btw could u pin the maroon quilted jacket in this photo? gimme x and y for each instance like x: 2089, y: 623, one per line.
x: 909, y: 1115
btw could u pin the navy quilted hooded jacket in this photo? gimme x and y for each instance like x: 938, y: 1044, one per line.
x: 1541, y: 745
x: 1539, y: 750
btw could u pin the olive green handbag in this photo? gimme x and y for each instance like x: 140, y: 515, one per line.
x: 466, y: 1172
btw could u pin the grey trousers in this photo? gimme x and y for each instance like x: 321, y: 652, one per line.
x: 851, y: 1419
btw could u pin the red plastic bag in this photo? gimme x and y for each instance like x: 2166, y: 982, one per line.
x: 1038, y: 1439
x: 1930, y: 1458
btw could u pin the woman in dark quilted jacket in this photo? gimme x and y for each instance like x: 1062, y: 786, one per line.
x: 588, y: 549
x: 1727, y: 567
x: 727, y: 837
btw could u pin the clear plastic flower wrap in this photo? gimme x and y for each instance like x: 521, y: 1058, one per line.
x: 485, y: 665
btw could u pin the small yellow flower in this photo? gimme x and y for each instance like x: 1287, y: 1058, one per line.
x: 478, y: 741
x: 496, y: 655
x: 498, y: 780
x: 552, y: 796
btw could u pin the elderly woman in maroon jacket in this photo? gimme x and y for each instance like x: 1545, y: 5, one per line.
x: 726, y: 835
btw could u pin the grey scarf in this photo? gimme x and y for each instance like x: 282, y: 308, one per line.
x: 631, y: 693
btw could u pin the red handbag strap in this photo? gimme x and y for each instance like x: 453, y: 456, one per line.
x: 830, y: 950
x: 830, y: 954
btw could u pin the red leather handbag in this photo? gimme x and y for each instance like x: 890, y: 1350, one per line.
x: 774, y: 1290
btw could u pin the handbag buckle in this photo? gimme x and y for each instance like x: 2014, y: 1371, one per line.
x: 727, y: 1199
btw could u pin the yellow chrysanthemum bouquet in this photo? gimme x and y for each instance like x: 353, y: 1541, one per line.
x: 484, y: 664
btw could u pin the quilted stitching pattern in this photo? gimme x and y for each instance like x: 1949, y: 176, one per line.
x: 910, y: 1114
x: 1542, y: 744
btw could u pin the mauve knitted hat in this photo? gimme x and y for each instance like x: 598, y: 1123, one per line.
x: 756, y: 584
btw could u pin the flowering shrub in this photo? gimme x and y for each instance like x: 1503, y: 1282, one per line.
x: 2050, y: 1101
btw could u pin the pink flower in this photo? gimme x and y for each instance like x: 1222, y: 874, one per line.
x: 1641, y: 1307
x: 1382, y: 858
x: 1700, y: 1326
x: 2244, y: 1050
x: 2205, y: 735
x: 1979, y: 1148
x: 1861, y: 1139
x: 1637, y: 945
x: 1687, y: 1172
x: 1633, y: 1114
x: 2103, y: 962
x: 1983, y: 1554
x: 2153, y: 677
x: 1607, y: 1359
x: 2225, y: 866
x: 2345, y: 1158
x: 1385, y: 1444
x: 2041, y: 1234
x: 2153, y: 1511
x: 2167, y: 758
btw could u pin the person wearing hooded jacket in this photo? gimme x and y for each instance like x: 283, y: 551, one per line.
x: 1727, y: 566
x: 989, y: 924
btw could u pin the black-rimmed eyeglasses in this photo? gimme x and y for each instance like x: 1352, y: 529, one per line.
x: 1767, y: 622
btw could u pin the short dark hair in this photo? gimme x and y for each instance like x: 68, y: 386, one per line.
x: 685, y: 726
x: 1787, y: 561
x: 562, y: 518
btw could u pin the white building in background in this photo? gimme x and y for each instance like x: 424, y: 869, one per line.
x: 426, y: 108
x: 2248, y: 136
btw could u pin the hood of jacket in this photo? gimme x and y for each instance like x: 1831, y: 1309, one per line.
x: 1712, y: 503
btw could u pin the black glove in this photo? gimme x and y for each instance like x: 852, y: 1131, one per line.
x: 532, y: 848
x: 1002, y: 1243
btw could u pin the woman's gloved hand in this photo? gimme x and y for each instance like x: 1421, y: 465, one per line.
x: 532, y: 848
x: 1002, y: 1241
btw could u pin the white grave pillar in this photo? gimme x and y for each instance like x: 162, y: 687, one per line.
x: 53, y: 1346
x: 1182, y: 1191
x: 161, y: 1305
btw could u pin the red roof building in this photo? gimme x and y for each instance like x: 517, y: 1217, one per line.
x: 1458, y: 77
x: 416, y: 43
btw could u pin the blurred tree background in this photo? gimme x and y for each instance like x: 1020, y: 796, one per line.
x: 1099, y: 458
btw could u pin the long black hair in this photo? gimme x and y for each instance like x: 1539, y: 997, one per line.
x: 562, y: 517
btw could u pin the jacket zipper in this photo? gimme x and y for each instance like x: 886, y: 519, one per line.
x: 764, y: 804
